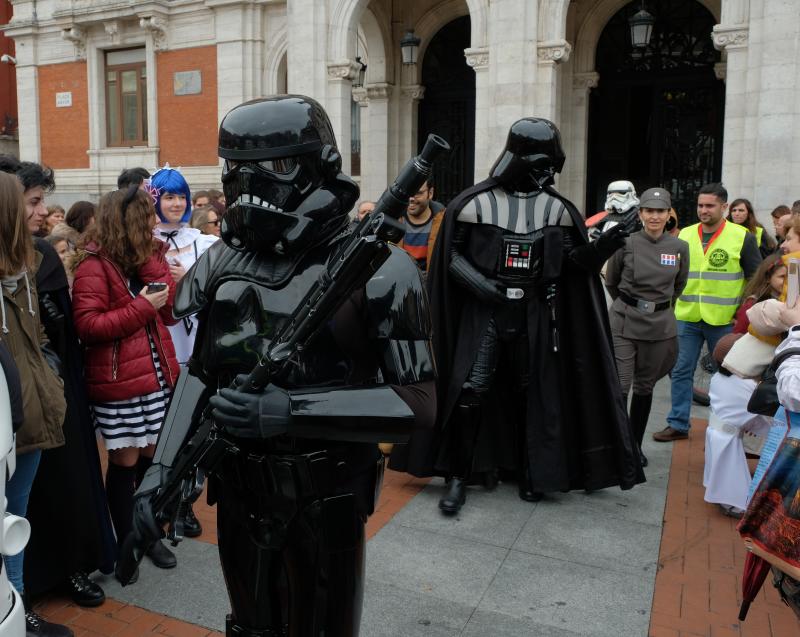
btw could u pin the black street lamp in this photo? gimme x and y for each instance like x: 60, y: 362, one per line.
x: 641, y: 24
x: 409, y: 46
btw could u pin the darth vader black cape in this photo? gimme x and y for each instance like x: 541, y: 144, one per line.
x: 68, y: 511
x: 577, y: 430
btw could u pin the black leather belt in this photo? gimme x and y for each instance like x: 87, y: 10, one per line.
x: 647, y: 307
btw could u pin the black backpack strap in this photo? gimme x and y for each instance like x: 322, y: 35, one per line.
x: 776, y: 362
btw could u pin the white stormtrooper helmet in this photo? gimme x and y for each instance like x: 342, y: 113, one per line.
x: 621, y: 196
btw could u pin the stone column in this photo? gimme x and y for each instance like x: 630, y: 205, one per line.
x: 24, y: 30
x: 375, y: 175
x: 576, y: 131
x: 240, y: 52
x: 306, y: 56
x: 339, y: 103
x: 478, y: 60
x: 550, y: 54
x: 409, y: 118
x: 733, y: 40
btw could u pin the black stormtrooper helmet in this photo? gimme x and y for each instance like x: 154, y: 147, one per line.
x: 532, y: 156
x: 282, y: 176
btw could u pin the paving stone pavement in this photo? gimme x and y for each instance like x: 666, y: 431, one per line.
x: 572, y: 564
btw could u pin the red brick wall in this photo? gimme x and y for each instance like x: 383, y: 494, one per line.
x: 8, y: 76
x: 64, y: 131
x: 187, y: 124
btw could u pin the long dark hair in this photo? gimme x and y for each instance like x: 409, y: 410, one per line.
x: 124, y: 228
x: 16, y: 245
x: 758, y: 287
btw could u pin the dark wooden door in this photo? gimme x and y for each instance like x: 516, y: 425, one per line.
x: 656, y: 117
x: 448, y: 108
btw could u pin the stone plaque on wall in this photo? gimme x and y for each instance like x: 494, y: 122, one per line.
x: 187, y: 83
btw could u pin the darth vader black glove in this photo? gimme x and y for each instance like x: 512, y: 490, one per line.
x: 593, y: 255
x: 244, y: 415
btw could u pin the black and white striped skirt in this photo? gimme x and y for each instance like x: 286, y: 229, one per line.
x: 134, y: 422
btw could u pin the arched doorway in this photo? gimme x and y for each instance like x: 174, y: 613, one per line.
x: 656, y: 117
x: 449, y: 106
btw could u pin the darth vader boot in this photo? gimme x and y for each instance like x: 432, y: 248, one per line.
x: 639, y: 414
x: 456, y: 495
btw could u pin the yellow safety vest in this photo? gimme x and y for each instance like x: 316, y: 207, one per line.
x: 716, y: 279
x: 759, y: 233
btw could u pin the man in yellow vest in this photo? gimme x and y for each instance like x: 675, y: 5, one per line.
x: 722, y: 256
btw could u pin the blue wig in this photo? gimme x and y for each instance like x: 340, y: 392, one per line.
x: 170, y: 180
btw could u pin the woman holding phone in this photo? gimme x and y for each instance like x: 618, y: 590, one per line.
x: 122, y: 303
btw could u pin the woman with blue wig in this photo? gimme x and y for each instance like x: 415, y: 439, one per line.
x: 173, y: 201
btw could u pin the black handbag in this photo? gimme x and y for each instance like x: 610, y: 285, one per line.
x: 764, y: 400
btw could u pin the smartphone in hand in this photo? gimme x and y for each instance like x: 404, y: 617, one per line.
x: 156, y: 286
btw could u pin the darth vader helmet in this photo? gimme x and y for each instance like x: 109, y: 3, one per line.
x: 532, y: 156
x: 282, y: 176
x: 621, y: 196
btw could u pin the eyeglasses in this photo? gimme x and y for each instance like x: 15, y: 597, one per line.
x: 216, y: 222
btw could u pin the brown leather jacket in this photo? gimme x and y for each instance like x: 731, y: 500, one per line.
x: 42, y: 390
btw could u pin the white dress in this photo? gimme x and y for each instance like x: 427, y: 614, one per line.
x: 185, y: 247
x: 726, y: 475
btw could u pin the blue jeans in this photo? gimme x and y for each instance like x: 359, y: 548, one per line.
x: 18, y: 490
x: 690, y: 343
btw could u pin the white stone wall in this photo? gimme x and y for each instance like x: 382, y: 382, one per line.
x: 531, y: 57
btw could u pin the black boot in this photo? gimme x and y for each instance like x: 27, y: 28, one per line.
x: 83, y: 591
x: 191, y: 525
x: 640, y: 413
x: 456, y: 495
x: 35, y: 626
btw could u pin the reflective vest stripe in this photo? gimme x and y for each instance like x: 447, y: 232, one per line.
x: 759, y: 233
x: 717, y: 276
x: 716, y: 279
x: 713, y: 300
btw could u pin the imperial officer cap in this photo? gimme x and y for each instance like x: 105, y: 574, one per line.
x: 657, y: 198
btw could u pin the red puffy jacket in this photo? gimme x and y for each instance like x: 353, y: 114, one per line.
x: 115, y: 327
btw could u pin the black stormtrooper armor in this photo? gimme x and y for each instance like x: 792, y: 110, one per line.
x: 294, y: 489
x: 513, y: 271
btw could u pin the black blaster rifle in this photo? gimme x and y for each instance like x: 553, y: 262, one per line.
x: 349, y: 268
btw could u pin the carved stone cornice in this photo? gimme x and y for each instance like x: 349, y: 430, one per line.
x: 413, y: 92
x: 343, y: 69
x: 553, y: 51
x: 585, y: 81
x: 360, y: 96
x: 477, y: 58
x: 157, y: 27
x: 76, y: 35
x: 734, y: 36
x: 721, y: 70
x: 379, y: 91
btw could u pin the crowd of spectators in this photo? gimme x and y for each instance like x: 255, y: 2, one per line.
x: 84, y: 291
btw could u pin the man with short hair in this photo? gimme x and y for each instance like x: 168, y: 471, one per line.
x: 364, y: 208
x: 423, y: 218
x: 722, y: 256
x: 132, y: 176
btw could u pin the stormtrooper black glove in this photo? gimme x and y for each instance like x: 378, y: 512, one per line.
x: 244, y: 415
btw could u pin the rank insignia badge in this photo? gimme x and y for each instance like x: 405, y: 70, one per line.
x: 669, y: 259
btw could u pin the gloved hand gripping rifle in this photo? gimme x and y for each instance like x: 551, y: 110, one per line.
x: 349, y: 268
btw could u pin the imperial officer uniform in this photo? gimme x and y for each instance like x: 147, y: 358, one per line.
x: 645, y: 279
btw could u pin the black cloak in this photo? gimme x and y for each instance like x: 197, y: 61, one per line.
x: 577, y: 430
x: 68, y: 510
